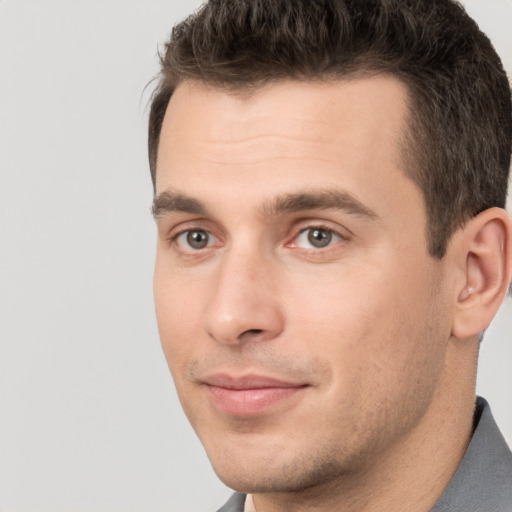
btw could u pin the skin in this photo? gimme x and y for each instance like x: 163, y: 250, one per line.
x: 364, y: 325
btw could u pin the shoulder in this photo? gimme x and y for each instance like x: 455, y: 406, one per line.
x: 483, y: 482
x: 235, y: 503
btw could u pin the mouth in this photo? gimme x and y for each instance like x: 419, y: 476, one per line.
x: 252, y: 395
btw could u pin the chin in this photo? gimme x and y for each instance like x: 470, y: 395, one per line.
x: 271, y: 472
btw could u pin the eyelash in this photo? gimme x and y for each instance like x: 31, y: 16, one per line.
x: 293, y: 243
x: 333, y: 238
x: 175, y: 238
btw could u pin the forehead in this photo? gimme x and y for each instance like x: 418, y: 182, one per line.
x: 286, y: 137
x: 225, y: 126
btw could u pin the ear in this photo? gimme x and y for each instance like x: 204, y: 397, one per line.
x: 483, y: 253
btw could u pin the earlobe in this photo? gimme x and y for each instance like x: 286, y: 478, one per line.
x: 484, y: 253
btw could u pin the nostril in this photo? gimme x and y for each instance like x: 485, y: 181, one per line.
x: 252, y: 334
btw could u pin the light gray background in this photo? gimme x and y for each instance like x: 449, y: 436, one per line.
x: 89, y: 418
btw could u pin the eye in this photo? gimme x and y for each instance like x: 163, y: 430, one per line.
x: 316, y: 238
x: 195, y: 239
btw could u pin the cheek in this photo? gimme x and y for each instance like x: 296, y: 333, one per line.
x: 177, y: 306
x: 384, y: 348
x: 372, y: 324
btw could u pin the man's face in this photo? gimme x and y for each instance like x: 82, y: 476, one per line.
x: 300, y: 314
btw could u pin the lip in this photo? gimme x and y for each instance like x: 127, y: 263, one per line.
x: 252, y: 395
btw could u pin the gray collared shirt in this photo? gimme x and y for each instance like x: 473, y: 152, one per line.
x: 483, y: 482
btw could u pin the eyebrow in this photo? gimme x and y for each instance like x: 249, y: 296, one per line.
x: 169, y: 201
x: 318, y: 200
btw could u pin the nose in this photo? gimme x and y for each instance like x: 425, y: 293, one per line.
x: 244, y: 304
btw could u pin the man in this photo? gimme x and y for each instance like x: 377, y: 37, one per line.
x: 330, y: 180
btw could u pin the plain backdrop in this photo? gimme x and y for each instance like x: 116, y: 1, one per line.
x: 89, y: 418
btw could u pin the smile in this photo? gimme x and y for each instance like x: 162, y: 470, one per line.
x: 251, y: 395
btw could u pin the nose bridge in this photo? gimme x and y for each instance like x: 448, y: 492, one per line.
x: 243, y: 303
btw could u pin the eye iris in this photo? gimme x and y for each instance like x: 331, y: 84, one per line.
x: 197, y: 239
x: 319, y: 237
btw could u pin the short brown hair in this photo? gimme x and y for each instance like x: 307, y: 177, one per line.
x: 460, y: 114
